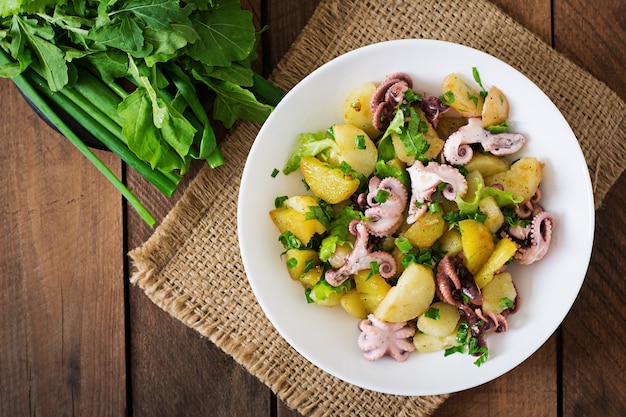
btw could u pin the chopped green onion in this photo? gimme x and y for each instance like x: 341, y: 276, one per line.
x: 278, y: 201
x: 374, y: 269
x: 360, y: 142
x: 403, y: 244
x: 506, y: 303
x: 381, y: 196
x: 289, y: 240
x: 432, y: 313
x: 447, y: 98
x: 292, y: 263
x: 275, y: 173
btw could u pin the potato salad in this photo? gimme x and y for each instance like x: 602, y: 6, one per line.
x: 411, y: 211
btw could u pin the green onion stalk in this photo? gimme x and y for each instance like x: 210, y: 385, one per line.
x: 33, y: 95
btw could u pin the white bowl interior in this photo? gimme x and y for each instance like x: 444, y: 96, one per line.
x: 327, y: 336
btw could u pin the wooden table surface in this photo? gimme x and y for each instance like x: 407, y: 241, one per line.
x: 77, y: 339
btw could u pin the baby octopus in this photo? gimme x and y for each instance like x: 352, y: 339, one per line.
x: 534, y: 239
x: 433, y: 108
x: 456, y: 286
x: 387, y: 97
x: 385, y: 216
x: 379, y: 338
x: 424, y: 182
x: 361, y: 258
x: 453, y: 280
x: 457, y: 149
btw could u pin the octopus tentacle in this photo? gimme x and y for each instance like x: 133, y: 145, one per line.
x: 454, y: 279
x: 424, y: 182
x: 540, y: 235
x: 361, y: 258
x: 433, y: 108
x: 387, y: 97
x: 457, y: 149
x: 534, y: 239
x: 385, y: 217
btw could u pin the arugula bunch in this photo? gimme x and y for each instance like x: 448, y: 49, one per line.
x: 132, y: 71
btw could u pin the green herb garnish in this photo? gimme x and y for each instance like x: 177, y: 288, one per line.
x: 432, y: 313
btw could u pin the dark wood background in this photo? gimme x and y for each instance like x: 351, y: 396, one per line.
x: 77, y: 339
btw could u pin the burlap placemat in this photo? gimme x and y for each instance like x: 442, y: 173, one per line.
x: 192, y: 269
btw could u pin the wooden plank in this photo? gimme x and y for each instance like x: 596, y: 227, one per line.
x: 593, y: 35
x: 62, y: 347
x: 201, y: 380
x: 594, y: 357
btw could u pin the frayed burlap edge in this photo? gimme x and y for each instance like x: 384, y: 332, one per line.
x: 211, y: 294
x: 165, y: 264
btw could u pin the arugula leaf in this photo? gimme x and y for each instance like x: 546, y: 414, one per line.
x: 39, y: 38
x: 338, y: 232
x: 410, y: 132
x: 384, y: 170
x: 157, y: 14
x: 396, y: 125
x: 8, y: 8
x: 226, y: 34
x: 144, y: 139
x: 234, y: 102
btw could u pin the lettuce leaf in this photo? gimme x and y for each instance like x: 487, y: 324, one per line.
x: 311, y: 144
x: 503, y: 198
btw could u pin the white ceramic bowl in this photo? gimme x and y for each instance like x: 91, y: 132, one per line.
x: 327, y: 336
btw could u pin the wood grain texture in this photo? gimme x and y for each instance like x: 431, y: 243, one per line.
x: 593, y: 35
x: 62, y: 274
x: 76, y: 339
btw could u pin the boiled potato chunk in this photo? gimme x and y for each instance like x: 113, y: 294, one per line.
x: 426, y: 230
x: 435, y: 143
x: 461, y: 97
x: 311, y: 277
x: 495, y: 108
x: 474, y: 178
x: 522, y: 179
x: 411, y: 296
x: 451, y: 242
x: 487, y: 164
x: 354, y: 147
x: 425, y: 343
x: 329, y: 183
x: 489, y: 207
x: 444, y: 324
x: 502, y: 253
x: 338, y: 258
x: 298, y: 259
x: 371, y: 289
x: 351, y: 302
x: 500, y: 288
x: 357, y: 111
x: 477, y: 244
x: 291, y: 216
